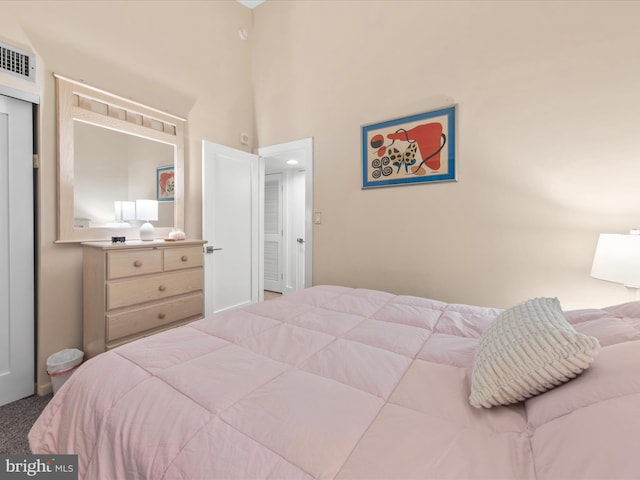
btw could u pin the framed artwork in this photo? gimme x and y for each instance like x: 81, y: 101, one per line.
x: 415, y: 149
x: 165, y: 183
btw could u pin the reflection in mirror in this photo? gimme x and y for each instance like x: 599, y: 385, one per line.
x: 111, y: 149
x: 113, y: 167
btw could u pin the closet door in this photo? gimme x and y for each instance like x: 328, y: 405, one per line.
x: 17, y: 312
x: 273, y: 232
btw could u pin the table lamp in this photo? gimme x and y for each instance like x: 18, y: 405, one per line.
x: 147, y: 211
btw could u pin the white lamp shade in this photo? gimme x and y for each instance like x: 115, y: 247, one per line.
x: 125, y: 210
x: 147, y: 210
x: 617, y: 259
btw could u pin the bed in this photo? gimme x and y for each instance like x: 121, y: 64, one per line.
x: 335, y: 382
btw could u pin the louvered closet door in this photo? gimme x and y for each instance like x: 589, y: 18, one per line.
x: 273, y: 232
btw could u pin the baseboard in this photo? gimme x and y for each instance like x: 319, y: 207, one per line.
x: 44, y: 389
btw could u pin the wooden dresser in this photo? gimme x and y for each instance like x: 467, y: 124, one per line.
x: 135, y: 289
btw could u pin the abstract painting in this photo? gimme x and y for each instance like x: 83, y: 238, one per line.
x: 415, y: 149
x: 165, y: 184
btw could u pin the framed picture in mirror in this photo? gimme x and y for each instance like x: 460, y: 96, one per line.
x: 165, y: 182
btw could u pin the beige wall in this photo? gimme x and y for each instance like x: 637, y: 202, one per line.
x: 548, y: 139
x: 180, y: 56
x: 547, y: 130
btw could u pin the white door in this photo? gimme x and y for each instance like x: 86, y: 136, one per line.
x: 273, y: 232
x: 232, y: 193
x: 16, y: 251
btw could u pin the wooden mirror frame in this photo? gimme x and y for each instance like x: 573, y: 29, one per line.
x: 78, y: 101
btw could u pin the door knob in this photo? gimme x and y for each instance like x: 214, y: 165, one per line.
x: 300, y: 240
x: 209, y: 249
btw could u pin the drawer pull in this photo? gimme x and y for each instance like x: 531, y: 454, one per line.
x: 161, y: 315
x: 184, y: 258
x: 162, y: 288
x: 137, y: 263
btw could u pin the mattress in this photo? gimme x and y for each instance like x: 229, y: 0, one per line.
x: 335, y: 382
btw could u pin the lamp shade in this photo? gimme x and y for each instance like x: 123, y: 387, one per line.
x: 147, y: 210
x: 617, y: 259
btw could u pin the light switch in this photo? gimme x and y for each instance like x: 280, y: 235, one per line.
x: 317, y: 218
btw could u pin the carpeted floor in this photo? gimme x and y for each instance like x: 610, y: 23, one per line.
x: 16, y: 419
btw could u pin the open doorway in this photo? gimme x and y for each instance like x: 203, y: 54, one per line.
x: 288, y: 210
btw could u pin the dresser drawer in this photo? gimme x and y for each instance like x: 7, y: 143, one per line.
x: 139, y: 320
x: 183, y: 257
x: 123, y: 293
x: 133, y: 262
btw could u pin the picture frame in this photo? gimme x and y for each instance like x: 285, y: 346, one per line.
x: 165, y: 183
x: 410, y: 150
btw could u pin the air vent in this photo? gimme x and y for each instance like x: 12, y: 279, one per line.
x: 17, y: 62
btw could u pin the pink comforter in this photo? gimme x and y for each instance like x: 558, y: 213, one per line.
x: 334, y: 382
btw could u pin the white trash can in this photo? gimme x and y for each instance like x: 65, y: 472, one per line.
x: 62, y: 364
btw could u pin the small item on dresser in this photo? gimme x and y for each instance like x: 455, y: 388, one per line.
x: 118, y: 239
x: 176, y: 234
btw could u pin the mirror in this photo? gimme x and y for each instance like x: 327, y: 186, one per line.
x: 112, y: 152
x: 111, y: 167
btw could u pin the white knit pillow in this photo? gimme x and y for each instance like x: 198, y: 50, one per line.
x: 527, y: 350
